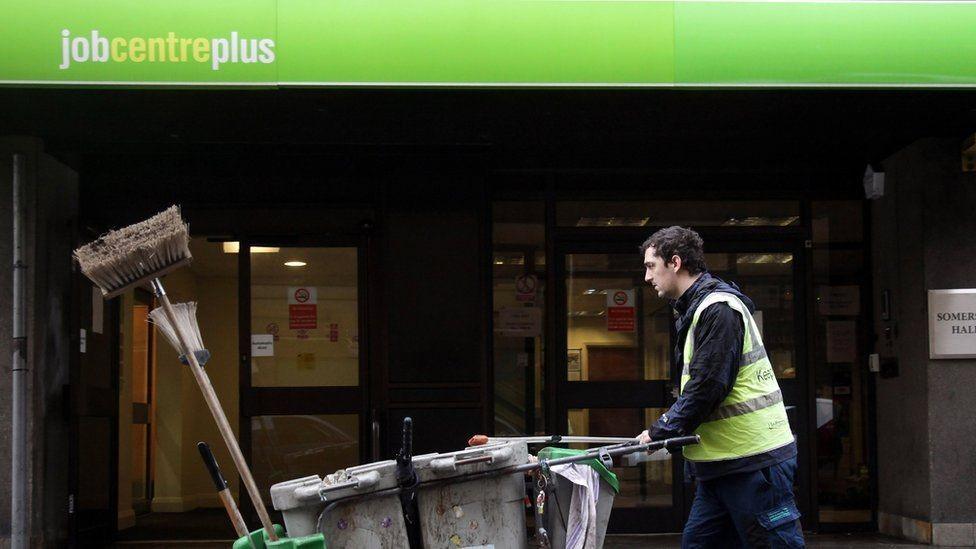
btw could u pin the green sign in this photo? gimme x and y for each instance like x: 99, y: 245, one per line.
x: 490, y: 43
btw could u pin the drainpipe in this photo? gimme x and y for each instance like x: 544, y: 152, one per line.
x: 18, y: 479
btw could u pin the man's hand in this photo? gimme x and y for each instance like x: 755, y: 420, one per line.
x: 644, y: 437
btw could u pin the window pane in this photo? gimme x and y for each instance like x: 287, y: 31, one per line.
x: 308, y: 317
x: 649, y: 484
x: 616, y: 331
x: 518, y: 290
x: 725, y: 213
x: 290, y: 447
x: 767, y: 279
x: 843, y: 474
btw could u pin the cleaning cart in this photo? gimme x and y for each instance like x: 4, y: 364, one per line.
x: 470, y: 498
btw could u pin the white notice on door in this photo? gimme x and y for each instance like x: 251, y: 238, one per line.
x: 519, y: 322
x: 262, y: 345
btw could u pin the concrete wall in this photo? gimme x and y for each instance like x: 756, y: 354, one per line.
x: 52, y: 201
x: 923, y: 239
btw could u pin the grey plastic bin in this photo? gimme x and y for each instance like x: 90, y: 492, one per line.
x: 360, y: 522
x: 473, y: 512
x: 558, y: 501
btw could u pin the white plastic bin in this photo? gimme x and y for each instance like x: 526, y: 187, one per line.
x: 359, y: 521
x: 466, y: 511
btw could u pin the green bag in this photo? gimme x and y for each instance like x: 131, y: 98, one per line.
x: 556, y: 453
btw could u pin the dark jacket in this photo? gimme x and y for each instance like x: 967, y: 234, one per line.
x: 718, y: 347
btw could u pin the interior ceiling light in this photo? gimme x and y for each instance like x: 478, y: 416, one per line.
x: 295, y: 263
x: 757, y: 221
x: 235, y: 247
x: 612, y: 221
x: 754, y: 259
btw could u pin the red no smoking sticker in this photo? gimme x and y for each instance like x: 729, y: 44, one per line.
x: 525, y: 287
x: 302, y: 308
x: 621, y: 313
x: 620, y: 298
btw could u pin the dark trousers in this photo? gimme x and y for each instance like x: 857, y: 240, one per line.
x: 754, y: 510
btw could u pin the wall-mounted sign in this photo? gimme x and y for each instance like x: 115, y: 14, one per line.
x: 841, y: 341
x: 952, y: 323
x: 488, y: 43
x: 262, y: 344
x: 839, y: 300
x: 519, y: 322
x: 302, y: 308
x: 525, y: 287
x: 621, y: 312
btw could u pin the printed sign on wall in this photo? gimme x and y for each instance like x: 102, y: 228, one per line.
x: 302, y: 308
x: 952, y: 323
x: 621, y: 312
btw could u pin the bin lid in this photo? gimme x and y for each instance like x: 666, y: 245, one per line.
x: 470, y: 461
x: 556, y: 453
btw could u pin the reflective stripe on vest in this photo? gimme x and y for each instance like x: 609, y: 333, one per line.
x: 752, y: 418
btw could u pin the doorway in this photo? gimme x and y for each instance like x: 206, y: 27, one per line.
x: 304, y: 385
x: 614, y: 374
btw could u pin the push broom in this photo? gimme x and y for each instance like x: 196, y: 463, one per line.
x: 140, y: 254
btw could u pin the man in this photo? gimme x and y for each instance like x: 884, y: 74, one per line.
x: 729, y: 396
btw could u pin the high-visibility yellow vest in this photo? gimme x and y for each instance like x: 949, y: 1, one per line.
x: 752, y: 418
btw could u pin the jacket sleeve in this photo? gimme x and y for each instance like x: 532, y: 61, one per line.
x: 718, y: 350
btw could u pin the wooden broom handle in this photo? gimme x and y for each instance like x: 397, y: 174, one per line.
x: 203, y: 380
x: 234, y: 513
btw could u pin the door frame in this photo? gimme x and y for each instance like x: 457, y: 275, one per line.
x: 142, y: 296
x: 562, y: 394
x: 261, y: 401
x: 80, y: 533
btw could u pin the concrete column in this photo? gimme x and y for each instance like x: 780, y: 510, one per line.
x: 923, y: 238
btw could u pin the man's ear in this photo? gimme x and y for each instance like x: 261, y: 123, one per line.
x: 676, y: 263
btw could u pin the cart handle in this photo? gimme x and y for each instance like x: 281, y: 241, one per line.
x: 450, y: 464
x: 319, y: 492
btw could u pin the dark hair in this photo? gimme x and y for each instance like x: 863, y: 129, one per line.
x: 681, y: 242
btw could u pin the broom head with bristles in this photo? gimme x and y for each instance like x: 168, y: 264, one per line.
x: 134, y: 255
x: 186, y: 320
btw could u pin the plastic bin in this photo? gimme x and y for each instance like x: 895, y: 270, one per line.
x: 558, y: 500
x: 467, y: 511
x: 358, y: 521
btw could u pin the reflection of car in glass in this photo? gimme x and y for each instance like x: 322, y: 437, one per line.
x: 288, y: 447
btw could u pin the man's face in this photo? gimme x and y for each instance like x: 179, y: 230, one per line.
x: 661, y: 275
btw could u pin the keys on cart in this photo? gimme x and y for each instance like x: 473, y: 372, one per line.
x: 541, y: 483
x: 542, y: 477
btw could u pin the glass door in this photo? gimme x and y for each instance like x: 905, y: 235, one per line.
x: 772, y: 274
x: 615, y: 373
x: 303, y: 396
